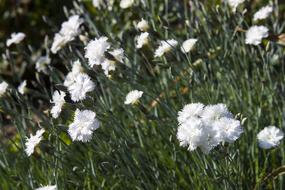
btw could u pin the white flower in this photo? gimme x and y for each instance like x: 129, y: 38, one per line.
x: 58, y: 101
x: 191, y: 133
x: 213, y: 112
x: 70, y: 77
x: 33, y: 141
x: 190, y: 110
x: 16, y: 38
x: 22, y: 87
x: 42, y: 63
x: 196, y: 133
x: 269, y: 137
x: 142, y: 40
x: 263, y: 13
x: 3, y: 88
x: 59, y: 42
x: 51, y: 187
x: 206, y: 126
x: 255, y: 34
x: 165, y: 46
x: 234, y: 4
x: 69, y: 30
x: 83, y: 126
x: 228, y: 129
x: 213, y: 138
x: 133, y: 96
x: 95, y: 49
x: 126, y: 3
x: 82, y: 84
x: 188, y: 45
x: 143, y: 25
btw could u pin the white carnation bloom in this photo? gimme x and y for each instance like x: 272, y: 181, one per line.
x: 255, y: 34
x: 50, y: 187
x: 59, y: 42
x: 16, y: 38
x: 213, y: 138
x: 206, y: 126
x: 33, y: 141
x: 165, y: 46
x: 191, y: 133
x: 22, y: 87
x: 263, y: 13
x: 190, y: 110
x: 213, y: 112
x: 142, y: 40
x: 70, y: 77
x: 143, y: 25
x: 95, y: 49
x: 188, y: 45
x: 58, y: 101
x: 228, y: 129
x: 3, y: 88
x: 234, y: 4
x: 195, y: 132
x: 82, y: 84
x: 83, y: 126
x: 269, y: 137
x: 126, y: 3
x: 69, y: 30
x: 133, y: 96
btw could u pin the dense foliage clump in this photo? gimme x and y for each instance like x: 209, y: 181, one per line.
x: 142, y: 94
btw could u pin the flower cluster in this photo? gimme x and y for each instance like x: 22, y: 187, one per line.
x: 255, y: 34
x: 202, y: 127
x: 95, y: 53
x: 206, y: 126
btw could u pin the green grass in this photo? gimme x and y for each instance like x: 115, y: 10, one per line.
x: 136, y: 146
